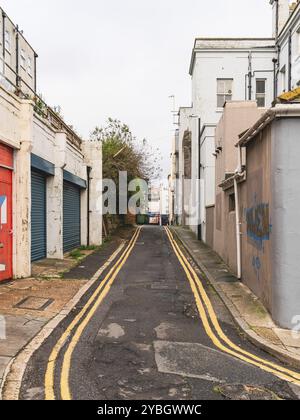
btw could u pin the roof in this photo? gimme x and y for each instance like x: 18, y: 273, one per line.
x: 279, y: 111
x: 209, y: 43
x: 293, y: 12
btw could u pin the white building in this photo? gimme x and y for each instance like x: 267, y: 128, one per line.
x: 286, y: 30
x: 50, y: 180
x: 221, y: 70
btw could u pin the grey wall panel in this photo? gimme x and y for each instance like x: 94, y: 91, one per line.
x: 285, y: 221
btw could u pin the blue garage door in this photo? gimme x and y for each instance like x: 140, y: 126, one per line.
x: 38, y: 216
x: 71, y: 225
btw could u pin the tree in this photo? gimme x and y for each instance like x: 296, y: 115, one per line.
x: 122, y: 152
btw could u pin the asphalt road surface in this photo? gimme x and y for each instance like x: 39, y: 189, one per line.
x: 152, y: 328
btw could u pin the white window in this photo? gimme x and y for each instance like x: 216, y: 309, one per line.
x: 224, y: 91
x: 8, y: 41
x: 23, y: 59
x: 29, y: 66
x: 298, y: 42
x: 283, y: 79
x: 261, y: 92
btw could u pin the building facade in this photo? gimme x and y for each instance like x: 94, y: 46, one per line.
x: 237, y: 117
x: 286, y: 30
x: 51, y: 180
x: 269, y: 201
x: 18, y: 60
x: 222, y: 70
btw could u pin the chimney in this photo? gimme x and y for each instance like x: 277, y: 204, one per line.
x: 281, y: 13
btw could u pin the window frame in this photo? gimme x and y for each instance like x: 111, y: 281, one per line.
x: 23, y: 58
x: 231, y: 202
x: 29, y: 66
x: 283, y: 79
x: 261, y: 95
x: 7, y: 40
x: 298, y: 41
x: 225, y: 94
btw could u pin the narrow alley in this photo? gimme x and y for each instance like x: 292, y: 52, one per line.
x: 152, y: 328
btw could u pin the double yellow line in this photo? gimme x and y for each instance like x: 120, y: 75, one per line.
x: 77, y: 326
x: 213, y: 328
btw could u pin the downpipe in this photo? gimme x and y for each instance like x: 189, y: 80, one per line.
x: 237, y: 217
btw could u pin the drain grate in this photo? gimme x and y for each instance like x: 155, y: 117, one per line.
x: 34, y: 303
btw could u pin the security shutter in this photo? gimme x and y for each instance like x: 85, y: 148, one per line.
x: 38, y: 216
x: 71, y: 225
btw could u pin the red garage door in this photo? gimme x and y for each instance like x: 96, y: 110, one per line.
x: 6, y: 162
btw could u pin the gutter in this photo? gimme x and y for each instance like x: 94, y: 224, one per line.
x: 279, y: 111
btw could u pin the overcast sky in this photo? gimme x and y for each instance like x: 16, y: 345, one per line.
x: 123, y: 58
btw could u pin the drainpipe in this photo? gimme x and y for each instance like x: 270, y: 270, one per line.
x: 199, y: 174
x: 89, y: 170
x: 35, y: 72
x: 250, y: 76
x: 275, y: 61
x: 277, y: 20
x: 237, y: 216
x: 3, y: 39
x: 290, y: 61
x: 17, y: 57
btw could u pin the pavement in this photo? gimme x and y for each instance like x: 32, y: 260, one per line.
x: 139, y: 333
x: 28, y: 305
x: 248, y: 312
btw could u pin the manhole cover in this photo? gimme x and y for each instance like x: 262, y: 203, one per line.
x: 246, y: 392
x: 34, y: 303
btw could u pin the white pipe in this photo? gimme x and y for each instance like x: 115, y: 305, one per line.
x: 238, y: 231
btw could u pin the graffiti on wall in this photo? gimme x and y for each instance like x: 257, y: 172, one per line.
x: 258, y: 224
x: 257, y: 265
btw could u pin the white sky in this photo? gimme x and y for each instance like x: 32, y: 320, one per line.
x: 123, y: 58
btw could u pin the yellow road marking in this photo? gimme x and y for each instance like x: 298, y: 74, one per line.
x: 281, y: 372
x: 50, y: 371
x: 218, y: 328
x: 66, y: 366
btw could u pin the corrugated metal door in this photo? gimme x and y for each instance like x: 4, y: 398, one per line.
x: 38, y: 216
x: 71, y: 225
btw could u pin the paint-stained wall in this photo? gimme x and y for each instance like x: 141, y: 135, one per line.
x: 256, y: 210
x: 237, y: 117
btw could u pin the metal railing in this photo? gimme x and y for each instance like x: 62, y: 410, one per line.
x: 24, y: 91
